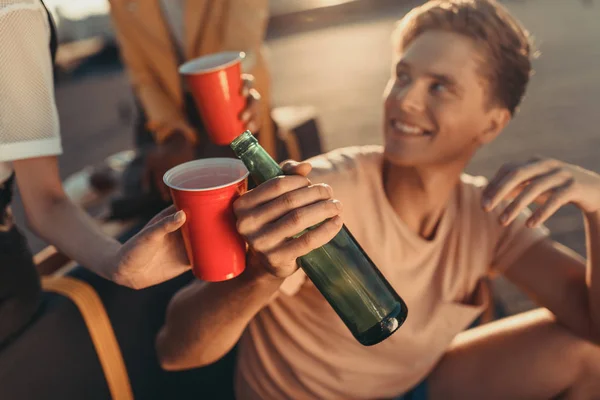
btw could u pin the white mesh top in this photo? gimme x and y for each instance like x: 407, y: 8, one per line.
x: 28, y: 117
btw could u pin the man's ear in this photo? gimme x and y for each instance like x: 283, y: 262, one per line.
x: 499, y: 117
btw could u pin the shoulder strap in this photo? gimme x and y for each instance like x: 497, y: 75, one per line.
x: 53, y: 35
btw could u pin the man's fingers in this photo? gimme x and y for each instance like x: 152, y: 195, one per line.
x: 166, y: 225
x: 290, y: 250
x: 251, y: 114
x: 247, y: 84
x: 268, y: 191
x: 291, y: 167
x: 559, y: 198
x: 254, y: 220
x: 537, y: 188
x: 293, y: 224
x: 501, y: 187
x: 164, y: 213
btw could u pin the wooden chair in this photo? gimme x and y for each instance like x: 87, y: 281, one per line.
x: 53, y: 267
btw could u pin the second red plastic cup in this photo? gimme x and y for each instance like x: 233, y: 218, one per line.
x: 215, y: 82
x: 205, y: 190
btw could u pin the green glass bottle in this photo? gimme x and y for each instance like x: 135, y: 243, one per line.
x: 341, y: 270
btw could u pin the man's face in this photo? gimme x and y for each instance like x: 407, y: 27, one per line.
x: 436, y: 102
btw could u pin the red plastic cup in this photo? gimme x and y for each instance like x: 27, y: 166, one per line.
x: 215, y: 82
x: 205, y: 190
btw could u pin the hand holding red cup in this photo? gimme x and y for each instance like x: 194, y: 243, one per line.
x: 205, y: 190
x: 224, y: 96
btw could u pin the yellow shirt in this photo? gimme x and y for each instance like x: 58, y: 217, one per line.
x: 298, y: 348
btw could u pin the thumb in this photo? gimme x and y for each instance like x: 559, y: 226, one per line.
x: 291, y: 167
x: 166, y: 225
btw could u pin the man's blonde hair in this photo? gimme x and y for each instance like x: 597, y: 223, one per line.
x: 504, y: 42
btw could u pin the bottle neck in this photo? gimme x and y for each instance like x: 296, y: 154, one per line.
x: 260, y: 164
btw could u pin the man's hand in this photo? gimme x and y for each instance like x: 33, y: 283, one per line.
x: 251, y: 116
x: 269, y: 216
x: 549, y: 183
x: 175, y: 150
x: 155, y: 255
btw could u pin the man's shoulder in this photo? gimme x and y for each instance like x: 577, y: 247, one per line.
x: 345, y: 162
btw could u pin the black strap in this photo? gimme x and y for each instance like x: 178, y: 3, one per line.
x: 53, y: 36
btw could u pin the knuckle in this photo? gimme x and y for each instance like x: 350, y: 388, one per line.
x: 273, y: 258
x: 278, y: 184
x: 260, y: 244
x: 295, y: 217
x: 288, y: 200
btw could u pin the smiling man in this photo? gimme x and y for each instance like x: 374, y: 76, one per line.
x: 460, y: 70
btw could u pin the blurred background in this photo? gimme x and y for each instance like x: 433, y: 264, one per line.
x: 334, y: 55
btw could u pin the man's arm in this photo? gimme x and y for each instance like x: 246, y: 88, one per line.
x: 552, y: 274
x: 205, y: 320
x: 559, y: 279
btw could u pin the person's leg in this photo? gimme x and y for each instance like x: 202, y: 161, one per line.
x: 528, y: 356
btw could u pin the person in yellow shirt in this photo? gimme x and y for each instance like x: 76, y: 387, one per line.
x: 460, y: 70
x: 157, y: 36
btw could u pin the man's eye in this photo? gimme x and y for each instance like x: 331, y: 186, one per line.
x: 402, y: 77
x: 438, y: 87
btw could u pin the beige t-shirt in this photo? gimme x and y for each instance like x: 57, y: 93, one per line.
x: 298, y: 348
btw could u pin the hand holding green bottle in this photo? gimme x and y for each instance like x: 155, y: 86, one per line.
x: 269, y: 216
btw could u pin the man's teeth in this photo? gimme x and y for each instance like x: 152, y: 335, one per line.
x: 408, y: 129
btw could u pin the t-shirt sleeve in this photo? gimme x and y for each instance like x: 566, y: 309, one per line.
x: 28, y: 116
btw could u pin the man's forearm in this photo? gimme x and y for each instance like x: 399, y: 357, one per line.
x: 205, y: 320
x: 75, y: 234
x: 592, y: 226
